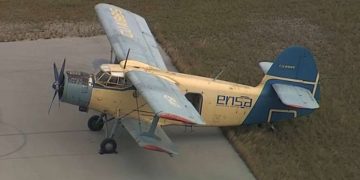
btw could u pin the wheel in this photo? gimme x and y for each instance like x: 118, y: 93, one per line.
x: 108, y: 146
x: 95, y: 123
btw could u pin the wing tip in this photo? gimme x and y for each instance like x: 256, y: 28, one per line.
x: 100, y: 6
x: 159, y: 149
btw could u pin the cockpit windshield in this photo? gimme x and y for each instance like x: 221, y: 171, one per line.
x: 113, y: 80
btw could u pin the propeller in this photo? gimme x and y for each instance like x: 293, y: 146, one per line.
x: 58, y: 84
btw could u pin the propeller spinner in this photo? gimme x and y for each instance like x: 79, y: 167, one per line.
x: 58, y: 84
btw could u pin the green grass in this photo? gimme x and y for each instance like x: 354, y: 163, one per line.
x: 204, y: 36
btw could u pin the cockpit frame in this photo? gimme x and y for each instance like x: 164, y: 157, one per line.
x: 112, y: 80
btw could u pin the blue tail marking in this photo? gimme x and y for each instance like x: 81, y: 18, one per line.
x: 295, y: 63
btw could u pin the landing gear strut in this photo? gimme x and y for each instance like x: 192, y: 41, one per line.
x: 109, y: 145
x: 97, y: 123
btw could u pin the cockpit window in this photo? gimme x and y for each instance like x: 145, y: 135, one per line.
x: 115, y: 80
x: 104, y: 77
x: 99, y: 74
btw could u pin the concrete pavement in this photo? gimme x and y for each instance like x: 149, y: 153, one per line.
x: 35, y: 145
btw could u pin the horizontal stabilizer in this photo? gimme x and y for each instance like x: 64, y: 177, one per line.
x: 160, y: 142
x: 265, y: 66
x: 295, y: 96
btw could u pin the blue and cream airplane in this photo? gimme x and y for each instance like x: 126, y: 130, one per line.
x: 139, y: 93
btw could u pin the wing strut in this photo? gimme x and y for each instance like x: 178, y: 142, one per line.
x: 127, y: 56
x: 151, y: 131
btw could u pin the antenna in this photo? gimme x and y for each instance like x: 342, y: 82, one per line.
x: 127, y: 56
x: 222, y: 70
x: 219, y: 74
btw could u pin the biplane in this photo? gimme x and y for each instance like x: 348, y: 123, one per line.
x: 137, y: 91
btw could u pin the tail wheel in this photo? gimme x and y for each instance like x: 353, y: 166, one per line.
x: 95, y: 123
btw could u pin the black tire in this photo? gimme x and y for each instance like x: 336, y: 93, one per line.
x: 95, y: 124
x: 108, y: 146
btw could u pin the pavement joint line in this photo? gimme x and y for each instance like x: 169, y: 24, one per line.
x: 51, y: 156
x: 45, y: 132
x: 23, y: 144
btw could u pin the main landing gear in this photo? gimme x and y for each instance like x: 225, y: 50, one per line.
x: 96, y: 123
x: 108, y: 146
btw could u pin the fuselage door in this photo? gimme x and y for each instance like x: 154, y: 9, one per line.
x: 196, y: 99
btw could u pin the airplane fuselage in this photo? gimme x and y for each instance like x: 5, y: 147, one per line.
x: 220, y: 103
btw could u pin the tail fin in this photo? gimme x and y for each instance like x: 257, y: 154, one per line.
x: 290, y: 88
x: 295, y: 62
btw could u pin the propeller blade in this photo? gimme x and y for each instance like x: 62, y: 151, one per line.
x: 58, y: 85
x: 56, y: 74
x: 52, y: 101
x: 62, y: 72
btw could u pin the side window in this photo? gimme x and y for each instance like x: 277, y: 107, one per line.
x: 196, y: 100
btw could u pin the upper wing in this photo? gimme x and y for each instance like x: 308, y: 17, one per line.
x: 295, y: 96
x: 126, y: 30
x: 164, y: 98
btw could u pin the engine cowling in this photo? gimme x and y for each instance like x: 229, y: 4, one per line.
x: 77, y: 89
